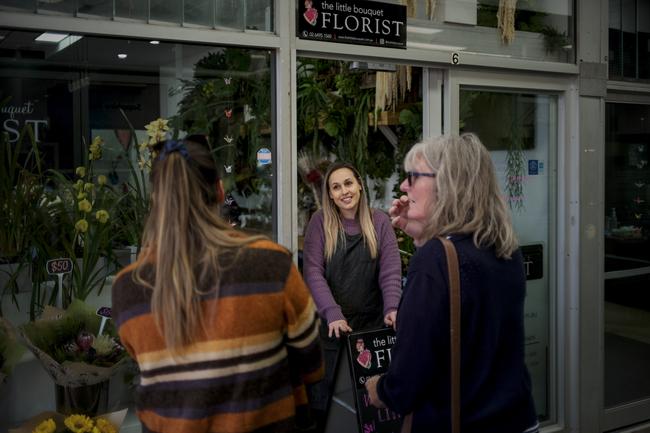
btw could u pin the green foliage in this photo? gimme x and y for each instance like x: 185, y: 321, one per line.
x: 332, y: 100
x: 23, y: 221
x: 83, y: 210
x: 228, y: 99
x: 10, y: 350
x: 20, y: 191
x: 132, y: 208
x: 553, y: 39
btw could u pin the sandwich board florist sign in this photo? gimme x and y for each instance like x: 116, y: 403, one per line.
x: 352, y: 22
x: 370, y: 354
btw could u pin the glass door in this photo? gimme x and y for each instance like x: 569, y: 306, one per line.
x: 522, y: 128
x: 627, y: 265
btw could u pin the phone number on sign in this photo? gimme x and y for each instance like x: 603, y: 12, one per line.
x: 316, y: 35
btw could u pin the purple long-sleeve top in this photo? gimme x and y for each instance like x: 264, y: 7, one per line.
x: 390, y: 276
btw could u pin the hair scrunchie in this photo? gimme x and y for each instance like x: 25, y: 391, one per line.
x: 171, y: 146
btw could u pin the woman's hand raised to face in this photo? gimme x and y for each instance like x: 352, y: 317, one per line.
x: 398, y: 213
x: 338, y: 327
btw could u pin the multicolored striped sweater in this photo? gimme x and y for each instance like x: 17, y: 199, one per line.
x: 248, y: 373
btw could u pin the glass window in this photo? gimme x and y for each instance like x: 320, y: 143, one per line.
x: 627, y: 253
x: 132, y: 9
x: 520, y: 130
x: 229, y: 14
x: 165, y: 11
x: 198, y: 12
x: 629, y: 39
x: 63, y: 6
x: 225, y: 14
x: 259, y: 15
x: 101, y: 8
x: 70, y: 92
x: 533, y: 29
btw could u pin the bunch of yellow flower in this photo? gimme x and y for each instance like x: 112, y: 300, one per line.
x: 77, y: 424
x: 156, y: 131
x: 84, y: 205
x: 96, y: 148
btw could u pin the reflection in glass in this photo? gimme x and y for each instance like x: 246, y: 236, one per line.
x: 17, y: 4
x: 629, y: 39
x: 165, y: 11
x: 101, y: 8
x: 224, y: 93
x: 226, y: 14
x: 539, y: 30
x: 198, y: 12
x: 63, y: 6
x: 520, y: 129
x: 229, y: 14
x: 132, y: 9
x: 259, y: 15
x: 627, y: 253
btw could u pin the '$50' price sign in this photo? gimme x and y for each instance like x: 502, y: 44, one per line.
x: 59, y: 266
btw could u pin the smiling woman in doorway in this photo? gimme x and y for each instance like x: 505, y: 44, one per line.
x: 352, y: 267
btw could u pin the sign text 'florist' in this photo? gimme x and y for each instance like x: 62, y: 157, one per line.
x: 353, y: 22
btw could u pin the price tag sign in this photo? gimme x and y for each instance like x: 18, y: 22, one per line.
x: 59, y: 266
x: 105, y: 314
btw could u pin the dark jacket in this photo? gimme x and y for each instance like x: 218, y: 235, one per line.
x: 495, y: 384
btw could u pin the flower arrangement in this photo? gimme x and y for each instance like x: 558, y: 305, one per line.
x: 71, y: 347
x: 76, y: 424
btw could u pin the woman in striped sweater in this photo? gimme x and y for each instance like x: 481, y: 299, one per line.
x: 221, y: 324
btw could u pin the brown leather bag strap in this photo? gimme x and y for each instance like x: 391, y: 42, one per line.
x: 454, y: 330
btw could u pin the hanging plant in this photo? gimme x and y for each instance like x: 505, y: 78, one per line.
x: 515, y: 173
x: 506, y: 20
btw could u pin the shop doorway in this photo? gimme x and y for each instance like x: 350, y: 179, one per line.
x: 368, y: 114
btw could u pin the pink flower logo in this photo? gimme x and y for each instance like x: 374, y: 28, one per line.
x: 311, y: 14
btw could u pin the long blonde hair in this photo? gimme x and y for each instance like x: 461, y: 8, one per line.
x: 468, y: 198
x: 184, y: 238
x: 332, y: 225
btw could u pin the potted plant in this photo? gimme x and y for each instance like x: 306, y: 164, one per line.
x: 81, y: 209
x: 21, y: 192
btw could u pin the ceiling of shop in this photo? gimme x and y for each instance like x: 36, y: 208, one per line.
x: 97, y: 53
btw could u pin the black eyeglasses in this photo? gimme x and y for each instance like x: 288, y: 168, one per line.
x: 415, y: 174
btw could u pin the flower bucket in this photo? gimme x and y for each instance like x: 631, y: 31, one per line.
x: 88, y: 400
x: 49, y: 337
